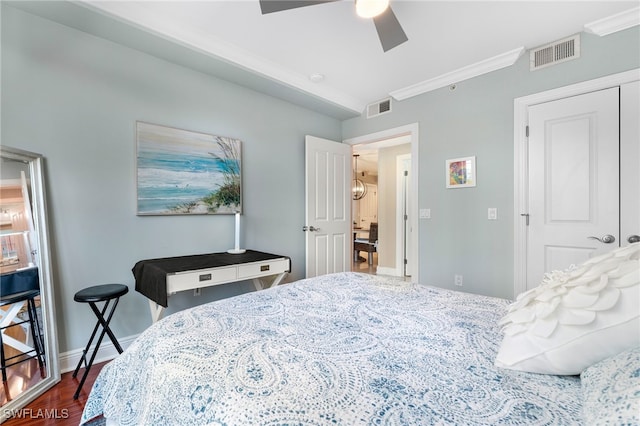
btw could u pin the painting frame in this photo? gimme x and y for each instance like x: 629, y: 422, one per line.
x: 183, y: 172
x: 461, y: 172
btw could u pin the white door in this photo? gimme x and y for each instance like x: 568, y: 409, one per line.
x: 368, y: 207
x: 327, y: 206
x: 408, y: 209
x: 629, y: 163
x: 403, y: 170
x: 573, y: 181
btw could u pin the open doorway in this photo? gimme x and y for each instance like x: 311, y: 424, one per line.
x: 364, y: 208
x: 396, y: 193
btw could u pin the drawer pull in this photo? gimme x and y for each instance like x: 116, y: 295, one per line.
x: 264, y: 268
x: 204, y: 277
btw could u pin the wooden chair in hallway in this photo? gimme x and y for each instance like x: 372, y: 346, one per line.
x: 369, y: 245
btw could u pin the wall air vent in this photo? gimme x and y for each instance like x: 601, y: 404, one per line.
x: 378, y: 108
x: 555, y: 53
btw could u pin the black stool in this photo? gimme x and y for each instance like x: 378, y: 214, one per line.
x: 38, y: 345
x: 91, y: 295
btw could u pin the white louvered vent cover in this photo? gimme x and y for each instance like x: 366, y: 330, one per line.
x: 378, y: 108
x: 555, y: 53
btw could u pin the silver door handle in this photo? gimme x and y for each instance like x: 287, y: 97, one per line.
x: 310, y: 228
x: 633, y: 239
x: 606, y: 239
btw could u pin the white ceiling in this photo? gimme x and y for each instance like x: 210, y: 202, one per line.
x: 276, y: 54
x: 330, y: 39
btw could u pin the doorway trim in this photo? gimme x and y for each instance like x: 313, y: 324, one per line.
x: 411, y: 130
x: 401, y: 255
x: 520, y: 158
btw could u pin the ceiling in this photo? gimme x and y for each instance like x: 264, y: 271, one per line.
x: 278, y: 53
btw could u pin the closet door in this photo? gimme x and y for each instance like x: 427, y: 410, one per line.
x: 573, y: 181
x: 629, y: 162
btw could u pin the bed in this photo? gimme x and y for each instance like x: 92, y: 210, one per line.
x: 340, y: 349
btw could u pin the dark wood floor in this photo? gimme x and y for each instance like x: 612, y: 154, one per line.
x: 58, y: 401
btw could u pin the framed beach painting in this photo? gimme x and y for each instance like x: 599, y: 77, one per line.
x: 184, y: 172
x: 461, y: 172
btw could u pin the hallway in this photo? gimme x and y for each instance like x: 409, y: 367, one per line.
x: 364, y: 266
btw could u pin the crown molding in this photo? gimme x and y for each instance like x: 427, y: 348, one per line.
x: 492, y: 64
x: 614, y: 23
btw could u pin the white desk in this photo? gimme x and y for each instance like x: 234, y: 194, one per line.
x: 192, y: 272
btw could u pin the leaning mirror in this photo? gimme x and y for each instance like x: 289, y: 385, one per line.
x: 28, y: 342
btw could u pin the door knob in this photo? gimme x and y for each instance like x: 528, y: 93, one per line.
x: 310, y: 228
x: 633, y: 239
x: 606, y: 239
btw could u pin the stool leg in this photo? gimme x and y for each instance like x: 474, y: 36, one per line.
x: 105, y: 330
x: 37, y: 321
x: 3, y: 359
x: 83, y: 358
x: 105, y: 324
x: 31, y: 308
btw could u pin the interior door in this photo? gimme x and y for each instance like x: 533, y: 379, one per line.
x: 573, y: 181
x: 406, y: 222
x: 327, y: 206
x: 629, y: 163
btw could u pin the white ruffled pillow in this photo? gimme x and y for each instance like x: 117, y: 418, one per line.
x: 576, y: 317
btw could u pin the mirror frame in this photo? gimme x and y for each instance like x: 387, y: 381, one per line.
x: 47, y: 301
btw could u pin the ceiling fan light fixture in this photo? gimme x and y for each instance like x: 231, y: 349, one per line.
x: 371, y: 8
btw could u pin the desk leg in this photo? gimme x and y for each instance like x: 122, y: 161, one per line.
x: 156, y: 311
x: 260, y: 284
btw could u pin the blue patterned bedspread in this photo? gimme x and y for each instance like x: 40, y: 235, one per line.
x: 341, y: 349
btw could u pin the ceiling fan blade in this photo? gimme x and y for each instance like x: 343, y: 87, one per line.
x: 389, y: 30
x: 270, y: 6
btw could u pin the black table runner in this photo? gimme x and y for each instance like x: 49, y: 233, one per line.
x: 151, y: 274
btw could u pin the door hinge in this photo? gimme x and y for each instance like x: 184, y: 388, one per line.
x: 405, y: 261
x: 406, y: 173
x: 526, y: 215
x: 526, y: 131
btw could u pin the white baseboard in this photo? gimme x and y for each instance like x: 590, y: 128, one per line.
x: 393, y: 272
x: 69, y: 360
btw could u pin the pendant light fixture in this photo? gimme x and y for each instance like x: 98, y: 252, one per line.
x: 358, y: 188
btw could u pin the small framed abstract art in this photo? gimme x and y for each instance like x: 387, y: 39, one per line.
x: 183, y: 172
x: 461, y: 172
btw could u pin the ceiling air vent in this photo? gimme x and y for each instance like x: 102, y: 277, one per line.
x: 378, y: 108
x: 555, y: 53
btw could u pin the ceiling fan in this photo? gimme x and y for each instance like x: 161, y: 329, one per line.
x: 389, y: 30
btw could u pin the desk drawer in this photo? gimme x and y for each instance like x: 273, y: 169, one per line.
x: 262, y: 269
x: 201, y: 278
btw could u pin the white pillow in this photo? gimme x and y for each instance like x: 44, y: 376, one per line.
x: 611, y: 390
x: 576, y: 317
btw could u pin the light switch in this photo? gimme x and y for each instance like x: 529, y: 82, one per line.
x: 425, y: 213
x: 492, y: 213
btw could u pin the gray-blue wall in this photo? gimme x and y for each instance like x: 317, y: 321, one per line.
x: 476, y: 119
x: 75, y: 99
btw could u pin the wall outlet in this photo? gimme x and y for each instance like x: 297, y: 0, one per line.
x: 197, y: 291
x: 457, y: 280
x: 425, y: 213
x: 492, y: 213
